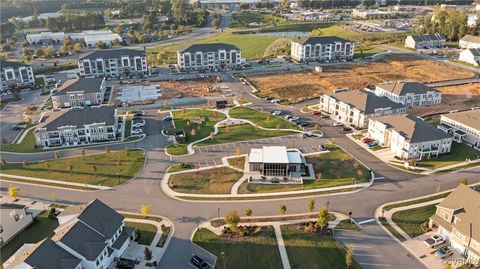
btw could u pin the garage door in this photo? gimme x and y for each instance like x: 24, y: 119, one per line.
x: 445, y: 234
x: 460, y: 249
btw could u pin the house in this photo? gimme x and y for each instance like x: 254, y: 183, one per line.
x: 471, y: 56
x: 356, y: 107
x: 89, y: 236
x: 409, y: 94
x: 209, y: 56
x: 370, y: 14
x: 44, y: 254
x: 77, y: 127
x: 469, y: 42
x: 15, y: 219
x: 79, y: 92
x: 114, y: 63
x: 322, y: 49
x: 276, y: 161
x: 409, y: 137
x: 429, y: 41
x: 15, y: 75
x: 457, y: 219
x: 463, y: 126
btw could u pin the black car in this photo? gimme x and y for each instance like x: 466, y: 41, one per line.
x: 199, y: 262
x: 347, y: 129
x: 268, y: 98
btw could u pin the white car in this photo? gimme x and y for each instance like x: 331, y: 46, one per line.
x: 294, y: 118
x: 434, y: 241
x: 138, y: 124
x: 337, y: 123
x: 137, y: 131
x: 276, y: 112
x: 275, y: 101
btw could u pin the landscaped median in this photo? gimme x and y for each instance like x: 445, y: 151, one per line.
x: 217, y: 180
x: 260, y: 118
x: 105, y: 169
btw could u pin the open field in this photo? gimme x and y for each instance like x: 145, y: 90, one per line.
x: 261, y: 118
x: 258, y: 251
x: 410, y: 220
x: 459, y: 153
x: 243, y: 19
x: 146, y: 232
x: 105, y: 169
x: 453, y: 97
x: 238, y: 162
x: 41, y: 228
x: 312, y: 250
x: 297, y: 86
x: 211, y: 181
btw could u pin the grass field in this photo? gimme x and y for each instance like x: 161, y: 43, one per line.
x: 27, y: 145
x: 346, y: 225
x: 410, y: 220
x: 311, y: 250
x: 243, y: 19
x: 298, y: 86
x: 126, y: 163
x: 41, y: 228
x: 259, y: 251
x: 387, y: 226
x: 459, y: 153
x: 238, y: 162
x: 262, y: 119
x: 180, y: 167
x: 146, y: 232
x: 211, y: 181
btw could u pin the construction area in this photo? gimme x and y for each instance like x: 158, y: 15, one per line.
x: 298, y: 86
x: 192, y: 88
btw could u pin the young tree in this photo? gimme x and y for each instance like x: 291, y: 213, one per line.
x: 285, y: 3
x: 48, y: 52
x: 25, y: 164
x: 77, y: 47
x: 448, y: 265
x: 94, y: 169
x: 323, y: 217
x: 145, y: 210
x: 311, y: 205
x: 193, y: 132
x: 216, y: 23
x: 70, y: 167
x: 53, y: 197
x: 232, y: 219
x: 238, y: 151
x: 47, y: 166
x: 147, y: 253
x: 248, y: 212
x: 283, y: 209
x: 464, y: 181
x: 82, y: 152
x: 212, y: 136
x: 55, y: 155
x: 349, y: 258
x: 3, y: 162
x: 12, y: 192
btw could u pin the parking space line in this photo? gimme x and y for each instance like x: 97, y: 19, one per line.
x: 214, y: 162
x: 376, y: 264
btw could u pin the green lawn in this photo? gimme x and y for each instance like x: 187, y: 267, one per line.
x: 311, y: 250
x: 126, y: 163
x: 242, y: 132
x: 259, y: 251
x: 242, y: 19
x: 262, y: 119
x: 211, y: 181
x: 42, y: 227
x: 182, y: 122
x: 458, y: 153
x: 295, y: 27
x: 27, y: 145
x: 387, y: 226
x: 39, y: 81
x: 410, y: 220
x: 346, y: 224
x: 180, y: 167
x: 128, y: 126
x: 418, y: 201
x: 146, y: 232
x: 238, y: 162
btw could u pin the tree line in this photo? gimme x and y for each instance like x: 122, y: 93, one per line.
x: 325, y: 4
x: 23, y: 8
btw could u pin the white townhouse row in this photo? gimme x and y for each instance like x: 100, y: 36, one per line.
x: 79, y: 93
x: 409, y: 94
x: 209, y: 56
x: 77, y: 126
x: 409, y: 137
x: 89, y: 236
x: 357, y: 106
x: 464, y: 126
x: 14, y: 75
x: 322, y: 49
x: 469, y: 42
x: 470, y: 56
x: 114, y: 63
x: 90, y: 37
x: 429, y: 41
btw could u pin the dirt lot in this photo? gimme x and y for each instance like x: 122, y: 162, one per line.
x: 453, y: 97
x: 295, y: 87
x: 192, y: 88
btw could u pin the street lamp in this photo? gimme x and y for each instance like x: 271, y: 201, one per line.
x: 218, y: 213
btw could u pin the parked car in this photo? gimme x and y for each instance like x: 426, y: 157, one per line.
x: 167, y: 118
x: 268, y: 98
x: 199, y: 262
x: 287, y: 117
x: 294, y: 118
x: 137, y: 131
x: 337, y: 124
x: 347, y: 129
x: 367, y: 140
x: 444, y: 252
x: 434, y: 241
x: 138, y: 125
x: 276, y: 100
x: 316, y: 112
x: 322, y: 148
x: 372, y: 144
x: 276, y: 112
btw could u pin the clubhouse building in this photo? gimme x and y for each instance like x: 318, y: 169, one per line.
x: 276, y: 161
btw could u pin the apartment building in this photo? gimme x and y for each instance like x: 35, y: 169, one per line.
x: 15, y: 219
x: 89, y: 236
x: 79, y: 92
x: 77, y: 126
x: 409, y: 137
x: 368, y: 14
x: 469, y: 42
x: 429, y: 41
x: 457, y: 219
x: 409, y: 94
x: 356, y: 107
x: 15, y: 75
x: 209, y: 56
x: 471, y: 56
x: 322, y: 49
x: 463, y: 126
x: 114, y: 63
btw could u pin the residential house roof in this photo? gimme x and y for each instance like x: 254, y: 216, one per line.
x: 11, y: 206
x: 471, y: 39
x: 124, y: 235
x: 401, y: 88
x: 10, y: 64
x: 428, y: 37
x: 470, y: 118
x: 313, y: 40
x: 79, y: 117
x: 412, y: 128
x: 101, y: 218
x: 87, y: 85
x: 209, y: 47
x: 365, y: 101
x: 113, y: 53
x: 46, y: 255
x: 474, y: 51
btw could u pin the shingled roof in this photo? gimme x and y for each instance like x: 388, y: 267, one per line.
x: 209, y: 47
x: 87, y: 85
x: 313, y: 40
x: 113, y: 53
x: 404, y: 87
x: 79, y: 117
x: 365, y: 101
